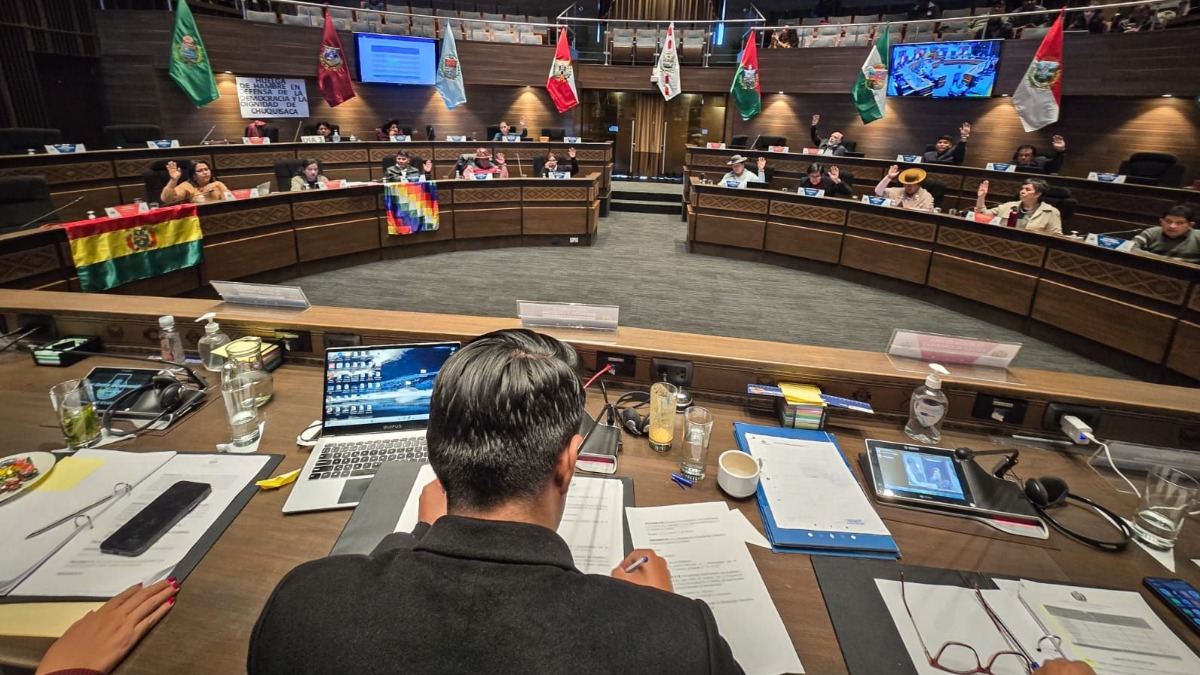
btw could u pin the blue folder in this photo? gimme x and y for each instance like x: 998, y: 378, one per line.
x: 812, y: 542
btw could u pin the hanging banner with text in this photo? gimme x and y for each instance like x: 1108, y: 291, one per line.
x: 261, y: 97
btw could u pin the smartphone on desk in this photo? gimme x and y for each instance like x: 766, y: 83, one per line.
x: 156, y: 519
x: 1180, y: 596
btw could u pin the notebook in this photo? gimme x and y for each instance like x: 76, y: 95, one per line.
x: 375, y: 408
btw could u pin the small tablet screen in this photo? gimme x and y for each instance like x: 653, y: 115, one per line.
x: 918, y: 472
x: 109, y: 384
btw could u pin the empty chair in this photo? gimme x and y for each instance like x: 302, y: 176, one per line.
x: 957, y: 37
x: 473, y: 25
x: 622, y: 44
x: 22, y: 199
x: 1061, y: 199
x: 480, y: 36
x: 297, y: 20
x: 493, y: 17
x: 957, y: 13
x: 471, y: 15
x: 957, y: 26
x: 360, y: 26
x: 692, y: 47
x: 540, y: 30
x: 860, y: 29
x: 1153, y: 168
x: 765, y: 142
x: 314, y: 12
x: 1034, y: 32
x: 739, y: 142
x: 423, y: 22
x: 510, y: 38
x: 919, y: 32
x: 645, y: 42
x: 829, y: 30
x: 423, y: 31
x: 887, y: 18
x: 341, y: 24
x: 860, y: 40
x: 530, y: 39
x: 393, y: 28
x: 155, y: 177
x: 514, y: 18
x: 19, y: 140
x: 810, y: 21
x: 823, y: 41
x: 936, y: 189
x: 840, y: 19
x: 456, y: 25
x: 264, y: 17
x: 372, y: 17
x: 131, y: 135
x: 554, y: 133
x: 499, y: 27
x: 336, y: 13
x: 401, y: 9
x: 447, y: 13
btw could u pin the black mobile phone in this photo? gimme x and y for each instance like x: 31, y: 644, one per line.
x: 1180, y: 596
x: 156, y: 519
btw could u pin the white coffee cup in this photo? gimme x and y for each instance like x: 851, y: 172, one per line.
x: 737, y: 473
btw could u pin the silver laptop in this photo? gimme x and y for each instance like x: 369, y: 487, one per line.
x: 375, y: 409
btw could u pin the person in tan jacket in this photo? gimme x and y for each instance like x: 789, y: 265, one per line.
x: 1033, y: 214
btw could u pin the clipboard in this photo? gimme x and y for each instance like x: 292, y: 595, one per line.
x: 379, y: 510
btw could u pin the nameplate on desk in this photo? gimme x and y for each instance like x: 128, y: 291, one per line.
x: 1106, y: 177
x: 715, y: 146
x: 952, y: 349
x: 909, y: 159
x: 257, y: 140
x: 1109, y: 241
x: 733, y: 184
x: 419, y: 178
x: 998, y: 166
x: 401, y: 138
x: 777, y: 148
x: 312, y: 139
x: 558, y: 175
x: 126, y: 210
x: 481, y: 176
x: 982, y: 218
x: 572, y: 139
x: 162, y: 144
x: 456, y: 139
x: 810, y: 192
x: 261, y: 295
x: 876, y: 201
x: 245, y: 193
x: 65, y: 148
x: 568, y: 315
x: 815, y: 151
x: 333, y: 184
x: 511, y: 138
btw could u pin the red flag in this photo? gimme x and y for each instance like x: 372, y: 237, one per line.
x: 333, y: 76
x: 561, y: 82
x: 1039, y: 95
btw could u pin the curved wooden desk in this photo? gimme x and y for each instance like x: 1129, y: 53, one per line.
x: 283, y: 235
x: 208, y: 630
x: 1140, y: 313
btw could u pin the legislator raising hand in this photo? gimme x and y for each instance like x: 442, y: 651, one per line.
x: 815, y: 119
x: 983, y: 189
x: 653, y: 573
x: 103, y: 637
x: 893, y: 171
x: 173, y: 171
x: 427, y: 167
x: 835, y: 174
x: 499, y: 159
x: 964, y: 132
x: 1058, y: 143
x: 761, y: 162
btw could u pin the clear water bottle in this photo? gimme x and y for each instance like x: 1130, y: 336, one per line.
x: 169, y: 340
x: 927, y: 408
x: 337, y: 137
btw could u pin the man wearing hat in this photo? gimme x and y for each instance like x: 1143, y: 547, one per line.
x: 912, y: 195
x: 483, y: 164
x: 738, y: 172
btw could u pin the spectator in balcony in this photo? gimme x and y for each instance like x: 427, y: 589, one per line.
x: 824, y: 9
x: 999, y: 28
x: 1141, y: 18
x: 1090, y: 19
x: 925, y: 10
x: 1033, y: 20
x: 946, y: 151
x: 373, y: 5
x: 783, y: 38
x: 1175, y: 236
x: 829, y: 146
x: 1026, y: 156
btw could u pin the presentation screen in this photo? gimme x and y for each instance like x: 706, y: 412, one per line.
x: 395, y: 59
x: 944, y: 69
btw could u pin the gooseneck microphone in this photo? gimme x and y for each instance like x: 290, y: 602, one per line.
x: 1136, y: 229
x: 210, y: 130
x: 520, y: 171
x: 50, y: 213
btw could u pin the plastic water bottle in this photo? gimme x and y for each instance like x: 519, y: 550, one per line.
x: 169, y: 340
x: 927, y: 408
x: 336, y: 136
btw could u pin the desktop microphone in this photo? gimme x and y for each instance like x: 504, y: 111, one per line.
x: 754, y: 145
x: 47, y: 215
x: 520, y: 171
x: 297, y: 136
x: 210, y: 130
x: 1136, y: 229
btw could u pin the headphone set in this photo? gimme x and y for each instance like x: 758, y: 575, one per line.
x: 628, y: 406
x: 1051, y: 492
x: 162, y: 396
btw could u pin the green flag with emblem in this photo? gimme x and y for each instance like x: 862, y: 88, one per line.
x: 189, y: 61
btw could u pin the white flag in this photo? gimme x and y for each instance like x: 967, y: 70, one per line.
x: 667, y: 69
x: 1039, y: 95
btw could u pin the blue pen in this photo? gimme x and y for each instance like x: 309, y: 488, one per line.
x: 681, y: 480
x: 637, y: 563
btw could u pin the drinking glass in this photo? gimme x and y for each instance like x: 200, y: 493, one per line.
x: 245, y: 358
x: 1164, y: 505
x: 697, y: 430
x: 76, y: 410
x: 241, y: 408
x: 662, y: 416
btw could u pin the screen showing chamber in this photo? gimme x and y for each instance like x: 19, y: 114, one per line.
x: 944, y: 69
x: 395, y: 59
x: 911, y: 473
x: 381, y: 385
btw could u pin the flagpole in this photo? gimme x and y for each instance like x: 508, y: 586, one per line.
x: 663, y: 171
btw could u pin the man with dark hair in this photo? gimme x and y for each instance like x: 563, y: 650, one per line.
x: 946, y: 151
x: 924, y: 9
x: 1026, y: 156
x: 1174, y: 237
x: 484, y: 583
x: 403, y: 169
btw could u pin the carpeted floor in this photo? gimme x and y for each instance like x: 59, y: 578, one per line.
x: 709, y: 295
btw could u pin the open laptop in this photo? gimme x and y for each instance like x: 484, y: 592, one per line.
x: 375, y: 409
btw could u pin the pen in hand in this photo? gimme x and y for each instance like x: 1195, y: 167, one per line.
x: 636, y: 564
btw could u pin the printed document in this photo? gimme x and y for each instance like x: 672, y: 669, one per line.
x: 591, y: 523
x: 809, y: 487
x: 710, y: 563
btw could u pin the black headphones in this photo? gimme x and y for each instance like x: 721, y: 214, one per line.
x: 170, y: 396
x: 633, y: 421
x: 1050, y: 492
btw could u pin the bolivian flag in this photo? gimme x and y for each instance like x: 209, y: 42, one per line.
x: 109, y: 252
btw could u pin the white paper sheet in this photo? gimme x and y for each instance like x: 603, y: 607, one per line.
x: 1114, y: 631
x: 591, y: 523
x: 80, y: 569
x: 809, y: 487
x: 708, y: 563
x: 93, y: 475
x: 740, y: 527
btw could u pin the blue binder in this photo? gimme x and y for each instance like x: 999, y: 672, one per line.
x: 812, y: 542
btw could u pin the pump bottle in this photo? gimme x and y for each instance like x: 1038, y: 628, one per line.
x: 928, y: 408
x: 212, y: 339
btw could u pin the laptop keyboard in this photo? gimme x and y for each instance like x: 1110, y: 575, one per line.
x: 362, y: 458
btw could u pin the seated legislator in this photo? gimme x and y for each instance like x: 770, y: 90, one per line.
x: 403, y: 170
x: 483, y: 164
x: 198, y: 188
x: 387, y: 130
x: 1033, y: 214
x: 1026, y: 156
x: 738, y: 172
x: 551, y: 165
x: 1175, y: 236
x: 911, y: 195
x: 309, y: 177
x: 829, y: 146
x: 325, y: 130
x: 505, y: 130
x: 946, y: 151
x: 830, y: 182
x: 484, y: 584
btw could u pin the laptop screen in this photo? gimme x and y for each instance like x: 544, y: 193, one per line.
x: 388, y: 387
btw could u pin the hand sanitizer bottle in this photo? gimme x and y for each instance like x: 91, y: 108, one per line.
x: 213, y: 338
x: 927, y: 408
